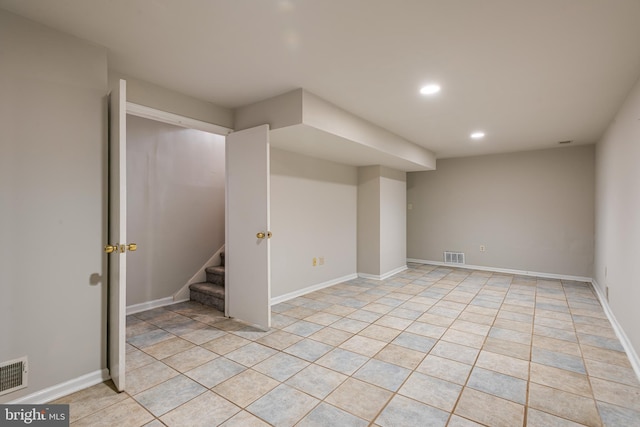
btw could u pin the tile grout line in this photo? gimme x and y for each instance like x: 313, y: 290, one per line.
x: 530, y: 361
x: 588, y: 377
x: 450, y: 289
x: 479, y: 351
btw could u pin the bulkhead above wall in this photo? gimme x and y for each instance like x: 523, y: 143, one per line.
x: 303, y: 123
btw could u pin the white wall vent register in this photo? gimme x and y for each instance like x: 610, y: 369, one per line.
x: 453, y: 257
x: 13, y: 375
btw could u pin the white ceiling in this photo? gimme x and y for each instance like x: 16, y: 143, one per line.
x: 528, y: 73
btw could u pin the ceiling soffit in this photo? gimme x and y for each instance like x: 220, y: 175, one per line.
x: 304, y: 123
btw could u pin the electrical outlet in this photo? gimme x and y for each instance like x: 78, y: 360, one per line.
x: 314, y: 262
x: 482, y: 248
x: 321, y: 260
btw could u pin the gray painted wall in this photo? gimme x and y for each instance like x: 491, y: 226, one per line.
x: 52, y: 211
x: 313, y: 214
x: 533, y: 211
x: 175, y: 205
x: 617, y: 215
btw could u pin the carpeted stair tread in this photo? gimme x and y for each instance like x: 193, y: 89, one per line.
x: 208, y: 288
x: 219, y: 269
x: 207, y: 293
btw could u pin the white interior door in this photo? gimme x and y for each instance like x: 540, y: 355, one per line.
x: 117, y: 232
x: 248, y: 275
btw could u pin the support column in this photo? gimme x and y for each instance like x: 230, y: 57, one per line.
x: 382, y: 221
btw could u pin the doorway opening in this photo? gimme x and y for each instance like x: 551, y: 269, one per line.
x: 118, y: 246
x: 175, y: 208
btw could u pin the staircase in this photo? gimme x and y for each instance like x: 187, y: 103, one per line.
x: 211, y: 292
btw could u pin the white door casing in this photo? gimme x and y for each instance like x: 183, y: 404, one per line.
x: 247, y: 257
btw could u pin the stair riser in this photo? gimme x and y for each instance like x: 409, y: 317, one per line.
x: 208, y: 300
x: 216, y: 278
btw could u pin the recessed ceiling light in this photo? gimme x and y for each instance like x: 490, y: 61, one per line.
x: 477, y: 135
x: 430, y: 89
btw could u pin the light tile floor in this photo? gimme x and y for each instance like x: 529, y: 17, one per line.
x: 431, y: 346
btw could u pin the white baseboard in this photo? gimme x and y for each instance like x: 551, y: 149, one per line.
x: 504, y: 270
x: 63, y: 389
x: 624, y: 339
x: 137, y: 308
x: 383, y: 276
x: 312, y: 288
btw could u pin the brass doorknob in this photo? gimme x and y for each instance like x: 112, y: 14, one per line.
x: 122, y: 248
x: 260, y: 235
